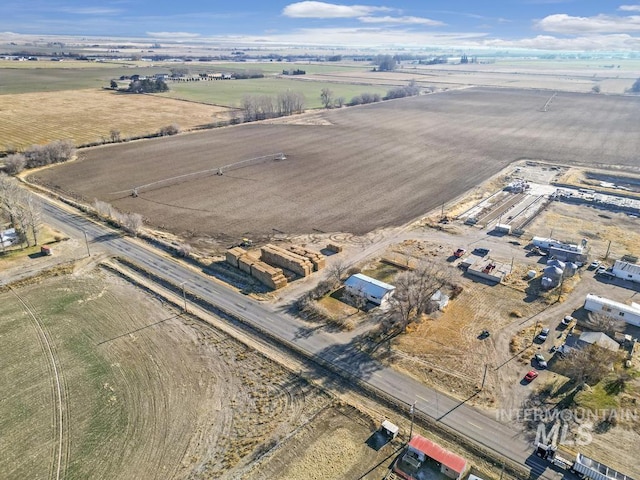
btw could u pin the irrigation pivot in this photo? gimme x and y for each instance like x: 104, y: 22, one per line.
x: 185, y: 177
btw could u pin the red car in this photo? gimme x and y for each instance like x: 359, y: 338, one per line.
x: 531, y: 375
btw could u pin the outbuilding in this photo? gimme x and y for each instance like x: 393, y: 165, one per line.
x: 628, y: 313
x: 373, y: 290
x: 419, y: 450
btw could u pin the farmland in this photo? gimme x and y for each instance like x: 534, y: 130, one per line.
x: 419, y: 152
x: 145, y: 393
x: 86, y: 116
x: 230, y: 93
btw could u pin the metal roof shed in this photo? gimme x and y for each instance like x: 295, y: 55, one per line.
x: 373, y: 290
x: 452, y: 465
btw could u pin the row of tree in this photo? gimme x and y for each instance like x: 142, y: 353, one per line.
x: 18, y: 207
x: 148, y: 85
x: 261, y: 107
x: 129, y: 222
x: 330, y: 101
x: 40, y: 156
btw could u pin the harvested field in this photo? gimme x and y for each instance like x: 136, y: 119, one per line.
x: 86, y: 116
x: 144, y: 393
x: 374, y: 166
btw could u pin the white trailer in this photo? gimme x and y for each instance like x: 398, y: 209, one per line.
x: 585, y: 467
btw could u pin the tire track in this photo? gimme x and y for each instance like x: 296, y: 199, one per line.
x: 61, y: 401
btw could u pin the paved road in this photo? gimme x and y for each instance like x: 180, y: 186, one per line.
x: 330, y: 346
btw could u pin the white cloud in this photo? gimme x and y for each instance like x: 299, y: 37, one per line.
x: 629, y: 8
x: 402, y: 20
x: 618, y: 42
x: 173, y: 35
x: 311, y: 9
x: 90, y: 11
x: 563, y: 23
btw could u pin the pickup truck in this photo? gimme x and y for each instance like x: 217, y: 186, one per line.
x: 459, y: 252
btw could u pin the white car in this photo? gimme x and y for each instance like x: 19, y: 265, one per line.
x: 567, y: 320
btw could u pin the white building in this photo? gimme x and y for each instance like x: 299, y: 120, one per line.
x: 628, y: 313
x: 373, y: 290
x: 547, y: 243
x: 626, y: 271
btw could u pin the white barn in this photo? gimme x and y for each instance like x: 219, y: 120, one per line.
x: 628, y: 313
x: 626, y: 271
x: 373, y: 290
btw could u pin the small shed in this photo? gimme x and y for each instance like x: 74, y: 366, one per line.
x: 389, y: 429
x: 373, y: 290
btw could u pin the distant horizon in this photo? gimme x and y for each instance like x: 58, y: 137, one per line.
x: 528, y: 25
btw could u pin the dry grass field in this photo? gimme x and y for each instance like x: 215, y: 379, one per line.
x: 86, y: 116
x: 363, y: 168
x: 144, y: 392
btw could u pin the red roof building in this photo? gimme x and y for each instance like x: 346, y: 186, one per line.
x: 409, y: 466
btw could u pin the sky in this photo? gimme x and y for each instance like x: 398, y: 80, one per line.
x: 577, y: 25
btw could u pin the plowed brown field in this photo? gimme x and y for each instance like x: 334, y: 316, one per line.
x: 359, y: 168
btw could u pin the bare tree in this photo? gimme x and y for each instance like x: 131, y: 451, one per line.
x: 326, y: 96
x: 340, y: 101
x: 600, y: 322
x: 115, y: 135
x: 412, y: 296
x: 589, y: 364
x: 15, y: 163
x: 131, y: 222
x: 32, y: 215
x: 10, y: 195
x: 337, y: 270
x: 184, y: 250
x: 103, y: 209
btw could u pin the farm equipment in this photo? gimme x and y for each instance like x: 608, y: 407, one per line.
x: 584, y: 467
x: 246, y: 243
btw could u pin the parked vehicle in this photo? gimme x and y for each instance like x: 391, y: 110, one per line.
x: 542, y: 336
x: 594, y: 265
x: 585, y: 467
x: 540, y: 360
x: 459, y: 252
x: 531, y: 375
x: 566, y: 321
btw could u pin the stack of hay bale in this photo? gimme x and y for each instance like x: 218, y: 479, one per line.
x: 316, y: 258
x: 291, y: 261
x: 266, y: 274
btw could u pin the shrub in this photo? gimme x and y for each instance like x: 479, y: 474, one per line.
x: 54, y: 152
x: 172, y: 129
x: 15, y: 163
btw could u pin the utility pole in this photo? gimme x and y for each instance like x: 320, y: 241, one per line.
x: 86, y: 242
x: 606, y: 255
x: 412, y: 411
x: 484, y: 376
x: 502, y: 471
x: 184, y: 296
x: 535, y: 329
x: 511, y: 270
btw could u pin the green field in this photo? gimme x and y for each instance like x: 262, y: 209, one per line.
x: 48, y: 76
x: 230, y: 92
